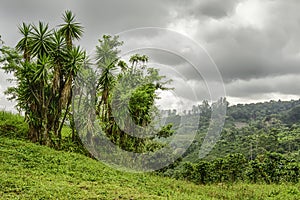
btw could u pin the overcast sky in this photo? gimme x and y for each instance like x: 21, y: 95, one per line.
x: 255, y: 44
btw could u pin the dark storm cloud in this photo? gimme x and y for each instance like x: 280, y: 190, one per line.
x: 249, y: 38
x: 114, y: 16
x: 255, y: 53
x: 253, y: 42
x: 174, y: 49
x: 286, y: 85
x: 213, y: 8
x: 98, y: 17
x: 255, y: 45
x: 13, y: 13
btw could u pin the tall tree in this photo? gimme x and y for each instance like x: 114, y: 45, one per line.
x: 71, y: 30
x: 107, y: 60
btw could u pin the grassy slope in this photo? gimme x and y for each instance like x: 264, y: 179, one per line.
x: 29, y: 171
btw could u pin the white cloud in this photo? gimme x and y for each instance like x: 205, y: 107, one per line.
x: 251, y: 13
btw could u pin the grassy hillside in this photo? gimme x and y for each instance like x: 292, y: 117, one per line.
x: 29, y: 171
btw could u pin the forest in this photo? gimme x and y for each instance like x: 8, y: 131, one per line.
x: 259, y: 143
x: 64, y: 96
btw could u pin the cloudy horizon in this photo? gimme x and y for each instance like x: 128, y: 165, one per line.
x: 254, y: 43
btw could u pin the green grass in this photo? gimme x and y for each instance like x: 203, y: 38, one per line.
x: 29, y: 171
x: 12, y: 125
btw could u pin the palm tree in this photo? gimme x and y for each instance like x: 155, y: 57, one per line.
x: 40, y: 40
x: 107, y: 60
x: 135, y: 59
x: 25, y: 42
x: 58, y: 54
x: 75, y: 60
x: 32, y: 78
x: 71, y: 29
x: 40, y: 80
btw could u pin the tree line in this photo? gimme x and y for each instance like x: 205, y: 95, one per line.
x: 268, y: 168
x: 262, y: 148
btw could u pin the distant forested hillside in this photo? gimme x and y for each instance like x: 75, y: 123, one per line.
x: 254, y: 137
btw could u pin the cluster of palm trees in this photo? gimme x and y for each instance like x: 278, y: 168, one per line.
x: 45, y: 75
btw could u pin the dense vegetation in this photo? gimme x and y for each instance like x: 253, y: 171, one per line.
x: 60, y: 90
x: 262, y: 146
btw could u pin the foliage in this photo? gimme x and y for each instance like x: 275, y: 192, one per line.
x: 124, y: 99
